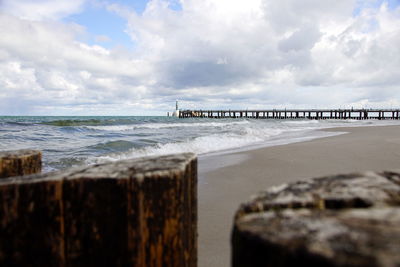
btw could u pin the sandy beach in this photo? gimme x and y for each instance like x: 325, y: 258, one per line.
x: 227, y: 180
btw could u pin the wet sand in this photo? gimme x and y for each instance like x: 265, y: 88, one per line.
x: 223, y: 186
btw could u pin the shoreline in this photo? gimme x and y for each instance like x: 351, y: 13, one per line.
x: 222, y: 188
x: 234, y: 156
x: 291, y: 137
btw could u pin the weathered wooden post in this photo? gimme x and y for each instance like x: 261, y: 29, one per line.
x: 20, y: 162
x: 343, y: 220
x: 140, y: 212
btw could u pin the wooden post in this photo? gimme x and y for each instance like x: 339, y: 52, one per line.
x: 20, y: 162
x: 140, y: 212
x: 321, y: 222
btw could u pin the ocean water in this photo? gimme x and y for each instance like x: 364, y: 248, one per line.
x: 72, y: 141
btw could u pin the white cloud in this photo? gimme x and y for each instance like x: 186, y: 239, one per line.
x: 102, y: 38
x: 210, y: 54
x: 44, y: 66
x: 41, y: 9
x: 317, y: 44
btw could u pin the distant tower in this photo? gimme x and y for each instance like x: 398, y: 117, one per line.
x: 176, y: 112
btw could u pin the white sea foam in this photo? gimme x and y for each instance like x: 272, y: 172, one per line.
x: 198, y: 145
x: 130, y: 127
x: 224, y: 136
x: 240, y: 134
x: 302, y: 122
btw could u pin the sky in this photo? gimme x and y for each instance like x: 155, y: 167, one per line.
x: 136, y: 57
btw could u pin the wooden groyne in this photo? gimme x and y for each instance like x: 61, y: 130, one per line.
x: 20, y: 162
x: 140, y: 212
x: 342, y: 220
x: 312, y: 114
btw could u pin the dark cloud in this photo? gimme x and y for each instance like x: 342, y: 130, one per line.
x: 202, y: 74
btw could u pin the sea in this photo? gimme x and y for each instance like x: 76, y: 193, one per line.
x: 73, y: 141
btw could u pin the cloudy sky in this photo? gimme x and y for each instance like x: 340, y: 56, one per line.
x: 135, y: 57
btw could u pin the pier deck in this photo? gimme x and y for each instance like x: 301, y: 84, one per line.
x: 312, y: 114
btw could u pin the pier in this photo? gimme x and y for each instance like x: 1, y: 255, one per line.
x: 312, y: 114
